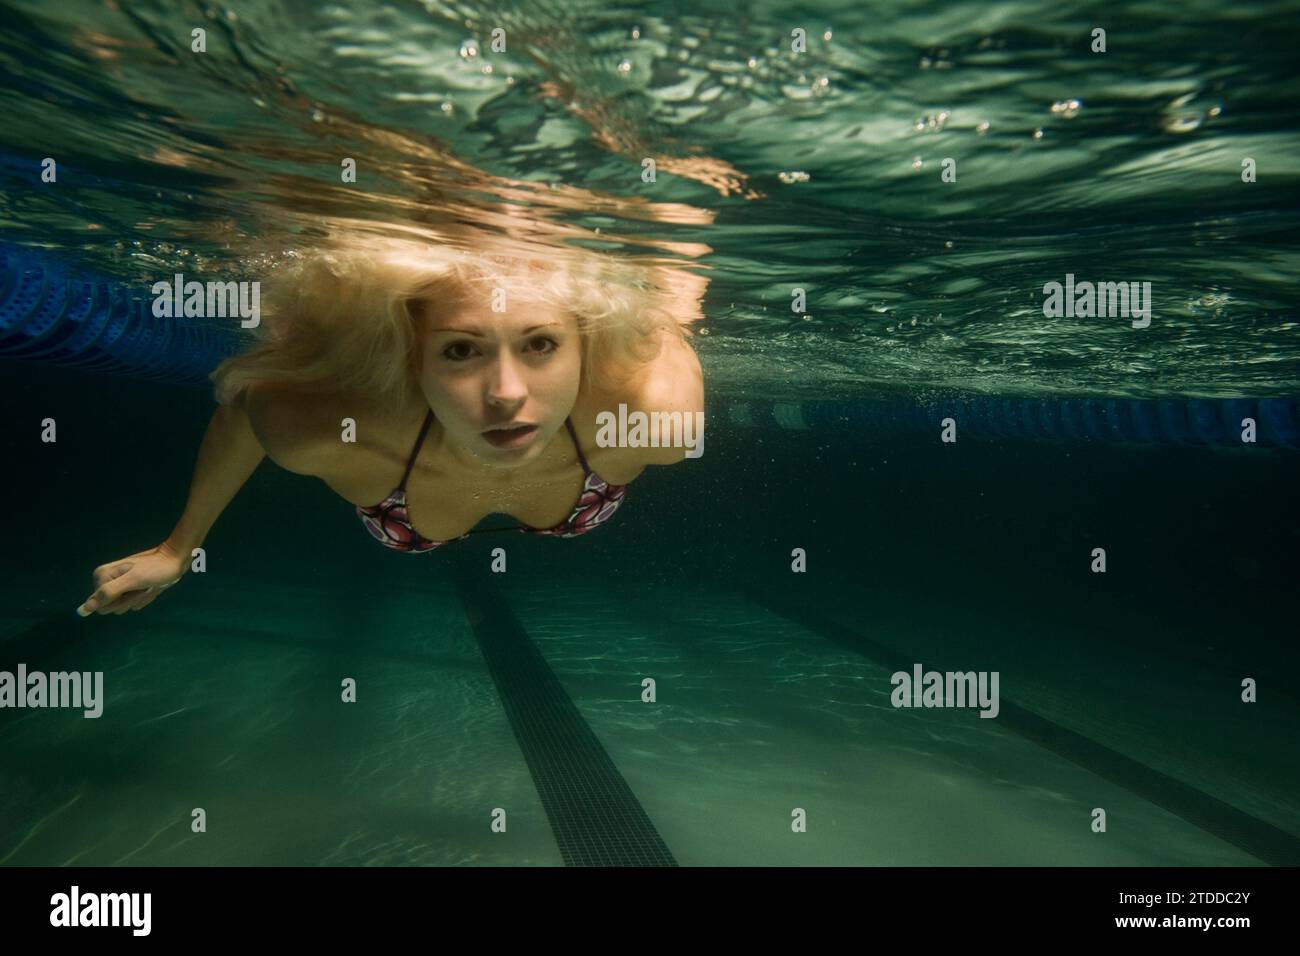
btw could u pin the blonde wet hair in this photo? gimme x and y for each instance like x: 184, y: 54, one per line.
x: 350, y: 319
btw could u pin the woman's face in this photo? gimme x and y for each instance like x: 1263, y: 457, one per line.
x: 484, y: 369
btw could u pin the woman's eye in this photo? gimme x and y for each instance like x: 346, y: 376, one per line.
x: 450, y: 353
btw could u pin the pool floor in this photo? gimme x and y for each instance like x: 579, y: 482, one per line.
x: 227, y: 697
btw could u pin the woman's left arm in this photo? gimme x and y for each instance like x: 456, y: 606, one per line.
x: 674, y: 387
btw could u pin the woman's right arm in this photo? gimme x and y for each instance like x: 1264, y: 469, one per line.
x: 230, y: 452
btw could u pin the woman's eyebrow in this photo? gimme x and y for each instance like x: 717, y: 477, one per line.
x: 479, y: 335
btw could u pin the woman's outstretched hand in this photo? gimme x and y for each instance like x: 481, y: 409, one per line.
x: 134, y: 582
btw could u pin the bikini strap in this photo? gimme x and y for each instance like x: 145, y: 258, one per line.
x: 581, y: 457
x: 428, y: 420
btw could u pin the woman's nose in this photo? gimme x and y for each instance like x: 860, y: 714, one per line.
x: 506, y: 382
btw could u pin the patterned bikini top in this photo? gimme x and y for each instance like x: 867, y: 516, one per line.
x: 389, y: 523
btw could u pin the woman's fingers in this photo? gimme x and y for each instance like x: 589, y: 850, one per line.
x: 150, y: 596
x: 108, y: 572
x: 131, y: 601
x: 131, y: 583
x: 102, y: 601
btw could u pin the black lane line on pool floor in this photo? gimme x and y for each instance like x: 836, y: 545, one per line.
x: 593, y: 813
x: 1247, y: 833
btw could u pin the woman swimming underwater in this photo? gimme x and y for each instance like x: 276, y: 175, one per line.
x: 430, y: 388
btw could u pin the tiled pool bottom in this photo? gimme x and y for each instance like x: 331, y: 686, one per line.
x: 228, y: 698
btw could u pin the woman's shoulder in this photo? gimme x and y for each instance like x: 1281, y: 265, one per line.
x: 284, y: 421
x: 301, y: 430
x: 671, y: 383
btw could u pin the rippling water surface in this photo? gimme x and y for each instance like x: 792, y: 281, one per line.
x: 777, y: 170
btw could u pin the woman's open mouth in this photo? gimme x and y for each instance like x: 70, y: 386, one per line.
x: 511, y: 437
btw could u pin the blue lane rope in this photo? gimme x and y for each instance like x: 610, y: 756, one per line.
x: 1197, y: 421
x: 55, y: 313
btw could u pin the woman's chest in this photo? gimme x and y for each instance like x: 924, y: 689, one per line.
x: 443, y: 503
x: 440, y: 507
